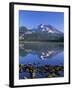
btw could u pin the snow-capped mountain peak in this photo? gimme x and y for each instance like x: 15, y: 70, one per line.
x: 48, y: 29
x: 42, y: 25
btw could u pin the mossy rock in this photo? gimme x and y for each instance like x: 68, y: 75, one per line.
x: 52, y: 75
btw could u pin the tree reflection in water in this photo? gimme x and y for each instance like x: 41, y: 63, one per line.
x: 44, y: 51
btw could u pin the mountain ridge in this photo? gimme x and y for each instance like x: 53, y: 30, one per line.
x: 41, y: 33
x: 43, y: 28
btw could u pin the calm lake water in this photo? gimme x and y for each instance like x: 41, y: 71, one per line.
x: 41, y: 60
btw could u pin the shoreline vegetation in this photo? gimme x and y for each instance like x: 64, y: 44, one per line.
x: 61, y: 40
x: 22, y: 41
x: 46, y: 71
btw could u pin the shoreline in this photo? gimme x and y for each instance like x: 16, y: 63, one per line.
x: 40, y: 42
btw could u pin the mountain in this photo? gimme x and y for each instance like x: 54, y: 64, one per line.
x: 41, y: 28
x: 41, y: 33
x: 48, y: 29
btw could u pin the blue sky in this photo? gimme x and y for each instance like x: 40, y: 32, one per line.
x: 31, y: 19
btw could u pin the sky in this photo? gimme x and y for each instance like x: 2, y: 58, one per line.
x: 31, y: 19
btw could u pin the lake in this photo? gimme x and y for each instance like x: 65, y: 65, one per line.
x: 41, y: 60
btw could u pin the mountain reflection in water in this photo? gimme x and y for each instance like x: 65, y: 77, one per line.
x: 41, y: 60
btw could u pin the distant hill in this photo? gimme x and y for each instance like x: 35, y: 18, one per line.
x: 41, y: 33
